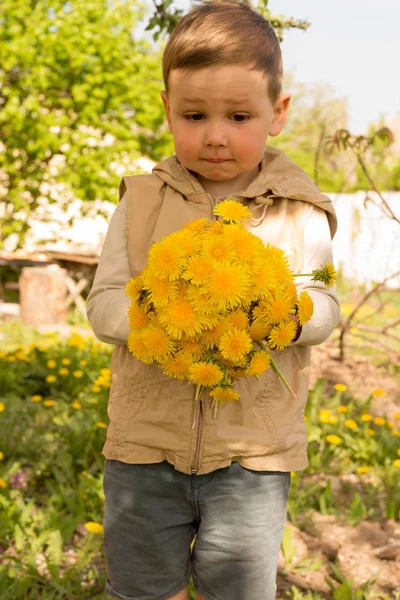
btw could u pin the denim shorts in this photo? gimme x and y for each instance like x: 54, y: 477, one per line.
x: 152, y: 513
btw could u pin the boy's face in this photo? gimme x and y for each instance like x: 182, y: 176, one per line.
x: 220, y: 118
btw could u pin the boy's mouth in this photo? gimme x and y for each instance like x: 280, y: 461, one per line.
x: 216, y: 160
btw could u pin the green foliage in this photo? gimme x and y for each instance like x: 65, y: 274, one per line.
x: 78, y: 97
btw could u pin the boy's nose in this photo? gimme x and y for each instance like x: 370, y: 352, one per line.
x: 215, y: 136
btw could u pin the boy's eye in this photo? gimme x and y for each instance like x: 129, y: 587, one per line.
x: 240, y: 118
x: 194, y: 116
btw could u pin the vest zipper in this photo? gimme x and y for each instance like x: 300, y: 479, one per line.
x: 199, y: 420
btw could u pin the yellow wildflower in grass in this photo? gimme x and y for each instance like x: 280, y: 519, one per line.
x: 2, y: 407
x: 205, y: 373
x: 350, y: 424
x: 165, y: 259
x: 259, y: 363
x: 390, y: 423
x: 83, y: 363
x: 333, y: 419
x: 378, y: 392
x: 78, y: 374
x: 334, y: 439
x: 96, y: 388
x: 396, y: 416
x: 366, y: 418
x: 51, y: 378
x: 228, y: 285
x: 48, y: 402
x: 157, y: 342
x: 106, y: 372
x: 93, y: 527
x: 340, y: 387
x: 324, y: 415
x: 51, y: 364
x: 396, y: 433
x: 379, y: 421
x: 66, y: 361
x: 63, y: 372
x: 342, y: 409
x: 370, y: 432
x: 3, y: 483
x: 76, y: 405
x: 101, y: 425
x: 11, y: 358
x: 198, y: 270
x: 36, y: 398
x: 224, y: 394
x: 235, y: 344
x: 1, y: 455
x: 397, y: 463
x: 362, y: 470
x: 398, y: 451
x: 305, y: 308
x: 232, y: 211
x: 177, y: 366
x: 281, y: 335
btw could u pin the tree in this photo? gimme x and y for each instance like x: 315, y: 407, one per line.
x: 78, y: 96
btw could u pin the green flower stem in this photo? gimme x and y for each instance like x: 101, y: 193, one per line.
x: 197, y: 393
x: 278, y: 371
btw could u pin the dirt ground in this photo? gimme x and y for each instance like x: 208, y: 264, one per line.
x: 370, y: 549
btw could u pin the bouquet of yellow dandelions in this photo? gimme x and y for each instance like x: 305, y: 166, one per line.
x: 211, y: 302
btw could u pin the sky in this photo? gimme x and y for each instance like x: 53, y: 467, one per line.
x: 352, y: 45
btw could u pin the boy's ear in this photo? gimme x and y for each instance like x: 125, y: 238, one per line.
x: 164, y: 98
x: 280, y: 114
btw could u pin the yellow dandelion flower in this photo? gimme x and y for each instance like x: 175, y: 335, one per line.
x: 238, y: 318
x: 278, y: 261
x: 157, y: 342
x: 133, y: 288
x: 66, y: 361
x: 259, y: 363
x: 198, y: 269
x: 264, y: 280
x: 277, y: 307
x: 48, y: 403
x: 281, y: 335
x: 97, y: 388
x: 370, y: 431
x: 366, y: 418
x: 235, y: 344
x: 334, y: 439
x: 362, y: 470
x: 325, y: 415
x: 180, y: 318
x: 342, y: 409
x: 220, y: 394
x: 398, y: 451
x: 259, y: 330
x: 161, y: 291
x: 106, y: 372
x: 340, y: 387
x: 51, y: 378
x: 101, y: 425
x: 190, y: 244
x: 396, y: 415
x: 166, y: 259
x: 3, y: 483
x: 137, y: 347
x: 237, y: 373
x: 1, y: 455
x: 218, y: 248
x: 217, y: 228
x: 51, y: 364
x: 232, y: 211
x: 93, y: 527
x: 397, y: 463
x: 379, y: 421
x: 212, y: 336
x: 76, y: 405
x: 138, y: 318
x: 390, y: 423
x: 228, y: 286
x: 177, y: 366
x: 83, y: 363
x: 193, y: 348
x: 377, y: 392
x: 305, y: 308
x: 205, y: 373
x: 63, y: 372
x: 78, y: 373
x: 247, y: 246
x: 36, y: 398
x: 350, y: 424
x: 333, y: 419
x: 196, y: 226
x: 326, y: 274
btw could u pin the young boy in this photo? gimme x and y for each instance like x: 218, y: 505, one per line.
x: 224, y: 479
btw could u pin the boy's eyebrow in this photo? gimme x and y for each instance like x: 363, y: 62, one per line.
x: 228, y: 101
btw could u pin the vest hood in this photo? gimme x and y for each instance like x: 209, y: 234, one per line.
x: 279, y: 177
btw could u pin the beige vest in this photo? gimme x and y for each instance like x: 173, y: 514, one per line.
x: 152, y: 415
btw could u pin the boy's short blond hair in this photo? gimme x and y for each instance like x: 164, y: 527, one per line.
x: 225, y: 32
